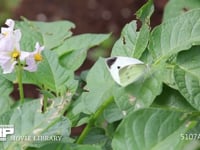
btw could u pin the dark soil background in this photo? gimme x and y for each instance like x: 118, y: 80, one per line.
x: 90, y: 16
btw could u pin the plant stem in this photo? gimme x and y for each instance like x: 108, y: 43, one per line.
x: 20, y: 85
x: 45, y: 103
x: 92, y: 120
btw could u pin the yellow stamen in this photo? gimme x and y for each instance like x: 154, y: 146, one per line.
x: 5, y: 33
x: 15, y: 54
x: 38, y: 57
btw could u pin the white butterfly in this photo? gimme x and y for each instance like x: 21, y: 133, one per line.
x: 125, y: 70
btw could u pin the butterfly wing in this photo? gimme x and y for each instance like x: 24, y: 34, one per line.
x: 131, y: 73
x: 118, y: 64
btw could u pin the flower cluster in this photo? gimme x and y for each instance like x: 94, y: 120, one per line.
x: 11, y: 54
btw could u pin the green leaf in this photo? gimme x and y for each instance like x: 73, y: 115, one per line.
x: 140, y: 94
x: 64, y: 146
x: 187, y: 77
x: 61, y: 128
x: 83, y: 41
x: 124, y: 100
x: 68, y: 62
x: 112, y: 113
x: 96, y: 136
x: 131, y: 42
x: 168, y: 76
x: 171, y: 98
x: 99, y: 85
x: 28, y: 120
x: 87, y: 147
x: 53, y: 33
x: 145, y: 12
x: 51, y: 75
x: 192, y: 145
x: 152, y: 129
x: 76, y: 47
x: 178, y: 7
x: 50, y: 34
x: 5, y: 104
x: 175, y: 35
x: 30, y: 36
x: 6, y: 86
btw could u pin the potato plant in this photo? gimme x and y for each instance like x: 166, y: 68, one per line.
x: 158, y: 110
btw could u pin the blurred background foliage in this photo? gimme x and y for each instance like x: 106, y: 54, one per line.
x: 7, y: 8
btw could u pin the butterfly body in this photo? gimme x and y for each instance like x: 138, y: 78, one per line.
x: 125, y: 70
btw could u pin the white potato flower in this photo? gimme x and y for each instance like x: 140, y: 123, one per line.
x: 11, y: 54
x: 10, y: 51
x: 34, y: 58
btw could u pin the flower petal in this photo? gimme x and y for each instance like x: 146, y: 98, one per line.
x: 8, y: 66
x: 6, y: 44
x: 38, y: 48
x: 10, y: 23
x: 8, y: 30
x: 17, y: 34
x: 31, y: 64
x: 24, y: 55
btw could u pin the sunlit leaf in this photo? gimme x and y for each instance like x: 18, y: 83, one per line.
x: 187, y: 76
x: 175, y: 35
x: 131, y: 42
x: 98, y: 79
x: 177, y: 7
x: 152, y: 129
x: 53, y: 33
x: 28, y: 120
